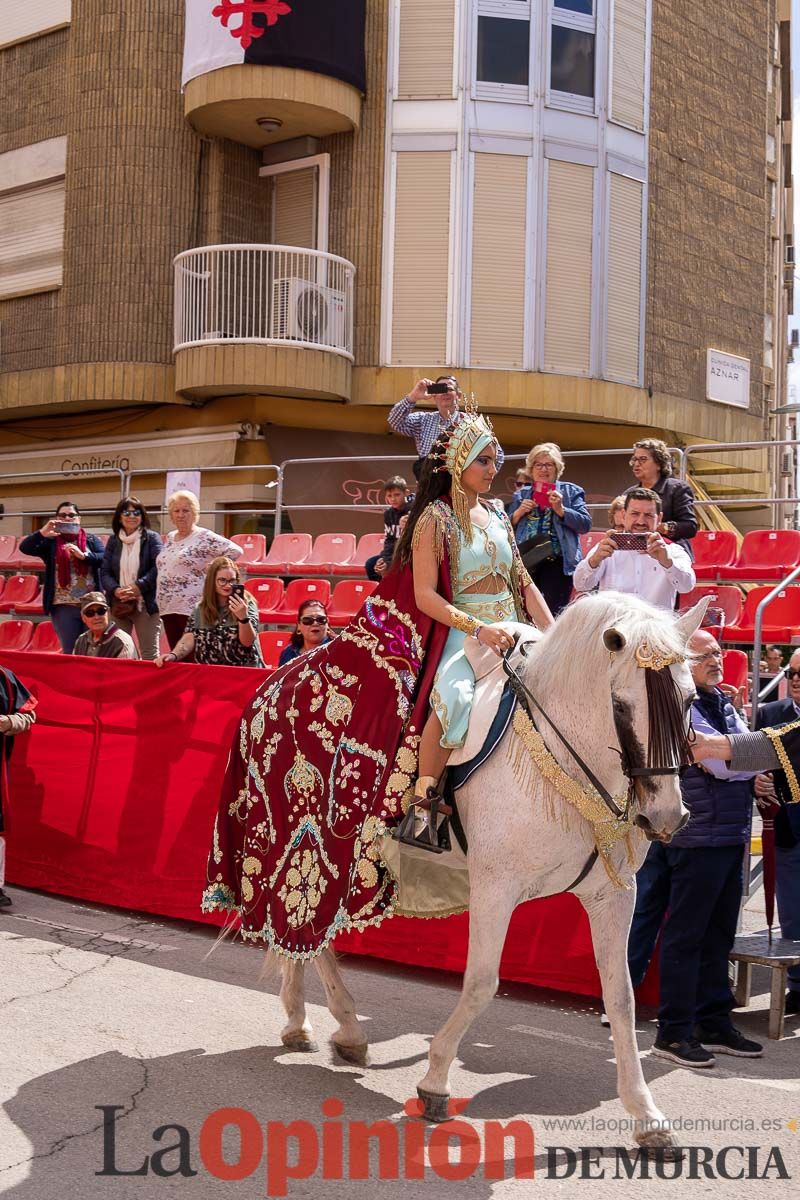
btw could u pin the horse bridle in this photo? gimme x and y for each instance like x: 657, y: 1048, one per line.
x: 526, y: 698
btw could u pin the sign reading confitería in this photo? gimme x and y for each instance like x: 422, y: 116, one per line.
x: 728, y: 379
x: 325, y: 36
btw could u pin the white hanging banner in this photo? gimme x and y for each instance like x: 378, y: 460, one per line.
x: 182, y: 481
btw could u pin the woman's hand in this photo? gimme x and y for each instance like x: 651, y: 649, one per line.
x: 49, y: 530
x: 495, y: 638
x: 164, y: 658
x: 74, y: 550
x: 238, y: 606
x: 557, y: 503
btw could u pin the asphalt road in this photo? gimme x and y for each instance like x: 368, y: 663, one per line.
x: 122, y: 1041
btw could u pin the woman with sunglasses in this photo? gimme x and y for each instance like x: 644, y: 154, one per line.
x: 72, y: 559
x: 223, y: 629
x: 651, y: 463
x: 311, y: 631
x: 128, y: 574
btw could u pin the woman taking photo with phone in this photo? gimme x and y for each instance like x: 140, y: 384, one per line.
x: 72, y: 559
x: 548, y: 519
x: 128, y: 574
x: 223, y: 629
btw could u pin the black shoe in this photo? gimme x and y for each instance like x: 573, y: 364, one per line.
x: 792, y: 1005
x: 731, y: 1041
x: 686, y: 1054
x: 5, y: 900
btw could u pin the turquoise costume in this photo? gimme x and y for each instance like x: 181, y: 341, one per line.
x: 491, y: 554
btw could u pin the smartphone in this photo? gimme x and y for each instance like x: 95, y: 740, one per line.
x: 438, y: 389
x: 630, y: 541
x: 238, y: 590
x: 541, y: 493
x: 714, y: 616
x: 68, y: 528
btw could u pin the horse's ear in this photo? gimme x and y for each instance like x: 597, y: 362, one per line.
x: 690, y: 621
x: 614, y: 641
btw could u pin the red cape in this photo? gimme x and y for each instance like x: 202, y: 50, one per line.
x: 325, y: 753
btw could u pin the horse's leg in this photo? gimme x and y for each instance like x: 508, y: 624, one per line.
x: 349, y: 1040
x: 489, y: 914
x: 297, y: 1033
x: 610, y: 913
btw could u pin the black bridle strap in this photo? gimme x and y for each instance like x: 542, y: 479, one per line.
x: 526, y: 698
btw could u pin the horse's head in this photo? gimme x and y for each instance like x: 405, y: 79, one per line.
x: 651, y: 697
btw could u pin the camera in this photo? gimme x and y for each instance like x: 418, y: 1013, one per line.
x: 630, y: 541
x: 438, y: 389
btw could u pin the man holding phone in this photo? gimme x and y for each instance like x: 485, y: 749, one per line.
x: 638, y: 560
x: 426, y: 427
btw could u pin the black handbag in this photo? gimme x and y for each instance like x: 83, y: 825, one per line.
x: 534, y: 550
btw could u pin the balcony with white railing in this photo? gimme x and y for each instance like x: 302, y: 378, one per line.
x: 266, y: 319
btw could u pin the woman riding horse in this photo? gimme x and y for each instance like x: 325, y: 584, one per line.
x: 329, y: 748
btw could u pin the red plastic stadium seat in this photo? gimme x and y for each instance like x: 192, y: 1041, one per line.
x: 2, y: 584
x: 254, y: 547
x: 766, y: 554
x: 34, y: 607
x: 726, y: 596
x: 25, y: 562
x: 369, y: 544
x: 19, y: 589
x: 298, y: 591
x: 8, y: 545
x: 330, y: 550
x: 589, y: 540
x: 736, y: 670
x: 268, y: 595
x: 713, y: 549
x: 44, y: 640
x: 347, y: 598
x: 272, y: 642
x: 15, y: 635
x: 287, y: 548
x: 781, y: 617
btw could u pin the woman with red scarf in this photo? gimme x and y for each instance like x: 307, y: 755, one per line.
x: 72, y: 559
x: 346, y: 737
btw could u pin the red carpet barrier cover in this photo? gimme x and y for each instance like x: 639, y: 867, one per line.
x: 113, y: 796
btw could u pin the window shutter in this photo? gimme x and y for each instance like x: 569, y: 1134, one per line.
x: 624, y: 278
x: 421, y: 242
x: 21, y: 19
x: 294, y: 208
x: 31, y: 239
x: 568, y: 316
x: 427, y: 34
x: 498, y: 261
x: 628, y: 53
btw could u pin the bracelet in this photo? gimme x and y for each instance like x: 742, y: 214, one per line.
x: 465, y: 623
x: 243, y: 620
x: 171, y: 657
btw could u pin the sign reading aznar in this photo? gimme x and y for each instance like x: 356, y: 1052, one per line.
x: 325, y: 36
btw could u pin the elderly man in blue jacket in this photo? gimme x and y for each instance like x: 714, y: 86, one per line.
x: 705, y: 865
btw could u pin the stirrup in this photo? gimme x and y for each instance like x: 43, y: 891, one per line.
x: 429, y: 837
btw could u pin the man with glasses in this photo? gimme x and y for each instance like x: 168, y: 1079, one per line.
x: 773, y: 791
x: 697, y: 881
x: 102, y: 639
x: 71, y: 560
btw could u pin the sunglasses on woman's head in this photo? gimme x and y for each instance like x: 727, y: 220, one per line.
x: 313, y: 620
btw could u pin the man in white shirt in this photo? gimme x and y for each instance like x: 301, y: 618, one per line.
x: 657, y: 573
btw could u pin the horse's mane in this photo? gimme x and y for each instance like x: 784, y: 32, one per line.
x: 572, y: 652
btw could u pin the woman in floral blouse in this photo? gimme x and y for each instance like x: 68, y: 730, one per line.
x: 182, y: 563
x: 223, y: 629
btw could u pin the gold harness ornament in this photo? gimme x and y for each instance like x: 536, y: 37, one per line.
x: 655, y: 660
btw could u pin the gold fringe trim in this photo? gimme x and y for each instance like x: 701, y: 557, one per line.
x: 607, y: 830
x: 774, y: 736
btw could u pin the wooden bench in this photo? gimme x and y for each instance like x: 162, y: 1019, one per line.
x: 778, y: 954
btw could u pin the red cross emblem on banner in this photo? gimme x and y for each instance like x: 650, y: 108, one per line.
x: 245, y: 10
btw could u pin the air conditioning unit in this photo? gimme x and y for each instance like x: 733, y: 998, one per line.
x: 308, y: 312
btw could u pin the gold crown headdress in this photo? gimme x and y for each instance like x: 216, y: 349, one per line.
x: 454, y: 450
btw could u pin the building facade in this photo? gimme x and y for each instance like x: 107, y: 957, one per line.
x: 223, y: 220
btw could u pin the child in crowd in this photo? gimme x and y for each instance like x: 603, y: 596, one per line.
x: 395, y: 494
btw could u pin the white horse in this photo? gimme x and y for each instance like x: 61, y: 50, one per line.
x: 529, y: 843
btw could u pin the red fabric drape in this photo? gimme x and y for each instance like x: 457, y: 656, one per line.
x: 113, y: 795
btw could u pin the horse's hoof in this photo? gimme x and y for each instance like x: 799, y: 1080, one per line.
x: 661, y: 1144
x: 299, y: 1041
x: 356, y: 1056
x: 436, y: 1106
